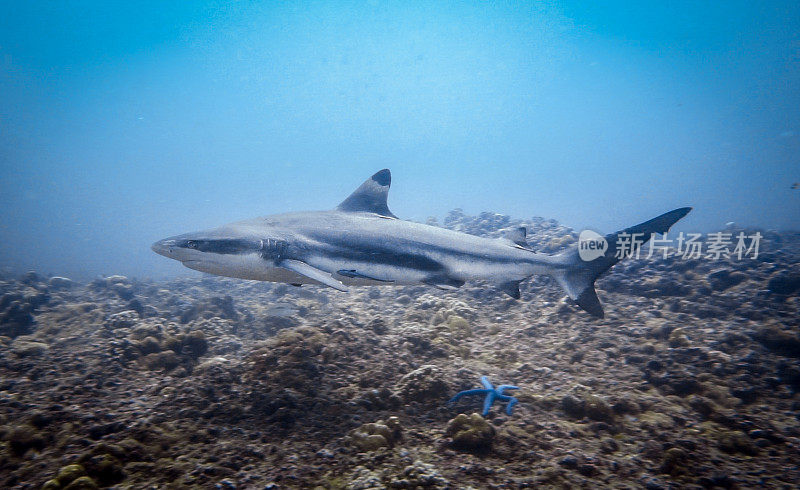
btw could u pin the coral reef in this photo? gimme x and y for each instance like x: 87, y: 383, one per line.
x: 691, y: 380
x: 372, y: 436
x: 470, y: 432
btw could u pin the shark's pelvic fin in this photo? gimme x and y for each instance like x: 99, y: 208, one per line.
x: 312, y: 273
x: 354, y: 273
x: 444, y: 282
x: 371, y: 196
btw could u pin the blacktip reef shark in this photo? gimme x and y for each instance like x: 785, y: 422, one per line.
x: 361, y: 243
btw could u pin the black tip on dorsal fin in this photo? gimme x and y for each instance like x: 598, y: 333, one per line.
x: 371, y: 196
x: 383, y: 177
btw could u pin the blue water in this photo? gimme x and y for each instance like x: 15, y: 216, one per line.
x: 125, y: 122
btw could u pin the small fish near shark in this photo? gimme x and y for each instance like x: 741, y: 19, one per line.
x: 361, y: 243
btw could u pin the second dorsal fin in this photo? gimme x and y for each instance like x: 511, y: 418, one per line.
x: 371, y: 196
x: 518, y: 236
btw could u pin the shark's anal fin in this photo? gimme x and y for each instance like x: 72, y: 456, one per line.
x: 511, y: 288
x: 312, y: 273
x: 444, y: 282
x: 354, y: 273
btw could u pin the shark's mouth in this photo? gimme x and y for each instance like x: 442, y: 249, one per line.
x: 195, y: 264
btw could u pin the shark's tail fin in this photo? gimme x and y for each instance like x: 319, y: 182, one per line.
x: 594, y: 255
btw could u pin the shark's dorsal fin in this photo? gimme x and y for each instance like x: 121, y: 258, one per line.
x: 371, y: 196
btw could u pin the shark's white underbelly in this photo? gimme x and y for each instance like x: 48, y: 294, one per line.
x: 248, y: 266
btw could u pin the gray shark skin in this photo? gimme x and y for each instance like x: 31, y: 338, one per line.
x: 361, y: 243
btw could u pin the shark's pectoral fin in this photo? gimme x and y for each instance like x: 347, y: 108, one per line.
x: 444, y: 282
x: 312, y: 273
x: 511, y: 288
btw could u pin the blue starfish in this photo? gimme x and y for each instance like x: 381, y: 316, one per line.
x: 491, y: 393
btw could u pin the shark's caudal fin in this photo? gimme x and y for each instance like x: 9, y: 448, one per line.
x: 578, y: 274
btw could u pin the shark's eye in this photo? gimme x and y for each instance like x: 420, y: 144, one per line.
x: 191, y: 244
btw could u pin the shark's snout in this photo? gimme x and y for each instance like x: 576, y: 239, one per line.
x: 206, y: 245
x: 164, y: 247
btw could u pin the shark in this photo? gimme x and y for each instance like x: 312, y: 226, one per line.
x: 362, y: 243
